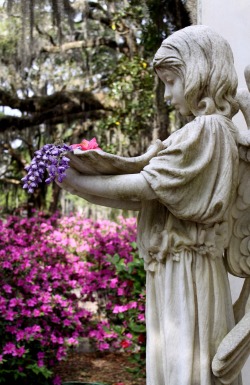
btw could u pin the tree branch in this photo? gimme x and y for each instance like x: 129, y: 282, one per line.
x: 64, y: 99
x: 16, y: 155
x: 57, y: 108
x: 12, y: 122
x: 91, y: 43
x: 10, y: 181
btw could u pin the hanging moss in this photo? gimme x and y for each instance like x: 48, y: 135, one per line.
x: 61, y: 10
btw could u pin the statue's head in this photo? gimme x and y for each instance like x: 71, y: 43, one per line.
x: 204, y: 62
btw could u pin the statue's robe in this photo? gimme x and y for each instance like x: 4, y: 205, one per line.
x: 182, y: 236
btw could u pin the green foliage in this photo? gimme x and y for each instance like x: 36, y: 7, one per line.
x: 8, y: 38
x: 131, y: 89
x: 36, y: 375
x: 165, y: 16
x: 129, y: 325
x: 106, y: 51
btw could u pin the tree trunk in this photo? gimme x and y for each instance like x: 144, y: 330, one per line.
x: 161, y: 120
x: 55, y: 198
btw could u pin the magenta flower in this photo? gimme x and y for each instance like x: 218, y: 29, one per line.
x: 104, y: 346
x: 7, y: 265
x: 10, y: 315
x: 86, y: 145
x: 31, y: 302
x: 20, y: 335
x: 72, y: 341
x: 7, y: 288
x: 20, y: 351
x: 36, y: 313
x: 58, y: 265
x: 9, y: 348
x: 120, y: 309
x: 113, y: 284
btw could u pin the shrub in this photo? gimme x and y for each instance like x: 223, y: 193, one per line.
x: 40, y: 313
x: 50, y: 268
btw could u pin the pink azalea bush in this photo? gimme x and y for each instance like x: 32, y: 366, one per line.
x: 50, y: 268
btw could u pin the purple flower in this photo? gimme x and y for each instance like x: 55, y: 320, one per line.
x: 50, y: 157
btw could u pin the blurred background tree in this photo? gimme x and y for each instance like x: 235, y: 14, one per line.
x: 74, y: 69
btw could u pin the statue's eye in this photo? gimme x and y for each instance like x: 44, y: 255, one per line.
x: 169, y: 81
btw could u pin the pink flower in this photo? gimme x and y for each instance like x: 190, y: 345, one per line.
x: 50, y: 280
x: 21, y: 351
x: 36, y: 313
x: 7, y: 288
x: 61, y: 353
x: 20, y: 335
x: 67, y: 322
x: 125, y: 344
x: 120, y: 291
x: 86, y: 145
x: 120, y: 308
x: 72, y: 341
x: 7, y: 265
x: 10, y: 315
x: 141, y: 317
x: 31, y: 302
x: 133, y: 305
x: 15, y: 302
x: 9, y: 348
x: 103, y: 346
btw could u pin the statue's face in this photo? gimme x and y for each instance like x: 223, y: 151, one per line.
x: 174, y: 90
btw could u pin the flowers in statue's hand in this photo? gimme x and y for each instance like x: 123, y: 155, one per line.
x: 86, y: 145
x: 52, y: 157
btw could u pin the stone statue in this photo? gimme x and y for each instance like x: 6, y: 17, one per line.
x: 192, y: 192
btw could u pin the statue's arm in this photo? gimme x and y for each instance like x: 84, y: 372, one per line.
x: 120, y: 191
x: 100, y: 201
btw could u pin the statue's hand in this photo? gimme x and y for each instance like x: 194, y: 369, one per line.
x: 233, y: 352
x: 69, y: 182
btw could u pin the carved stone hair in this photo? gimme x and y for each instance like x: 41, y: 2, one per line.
x: 204, y: 61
